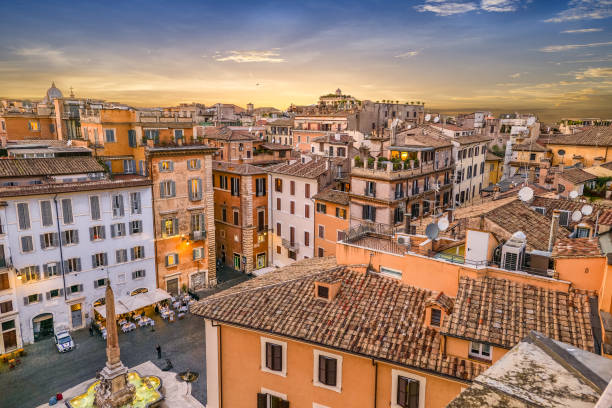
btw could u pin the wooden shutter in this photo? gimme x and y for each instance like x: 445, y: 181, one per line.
x: 80, y: 287
x: 132, y: 253
x: 292, y: 235
x: 93, y: 262
x: 322, y: 372
x: 307, y: 211
x: 199, y: 196
x: 292, y: 207
x: 91, y: 233
x: 121, y: 209
x: 113, y: 230
x: 278, y: 204
x: 175, y: 226
x: 26, y: 301
x: 292, y: 187
x: 262, y: 399
x: 269, y: 356
x: 67, y: 210
x: 306, y: 238
x: 402, y: 391
x: 190, y: 190
x: 132, y: 137
x: 307, y: 190
x: 413, y: 390
x: 278, y: 229
x: 78, y: 264
x: 172, y: 188
x: 95, y: 285
x: 45, y: 212
x: 43, y: 245
x: 277, y: 357
x: 159, y: 165
x: 24, y: 216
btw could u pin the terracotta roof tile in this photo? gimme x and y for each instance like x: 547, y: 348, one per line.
x: 502, y: 312
x: 593, y: 136
x: 371, y: 315
x: 237, y: 168
x: 576, y: 176
x: 49, y: 166
x: 225, y: 133
x: 529, y: 147
x: 577, y: 247
x: 311, y: 169
x: 333, y: 196
x: 550, y: 204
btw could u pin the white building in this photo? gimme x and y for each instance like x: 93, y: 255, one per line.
x: 10, y: 333
x: 64, y: 238
x: 291, y: 207
x: 469, y: 154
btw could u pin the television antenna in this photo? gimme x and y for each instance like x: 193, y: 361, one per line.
x: 432, y: 231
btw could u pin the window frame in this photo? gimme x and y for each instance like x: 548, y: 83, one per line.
x: 479, y: 355
x: 395, y: 374
x: 315, y: 375
x: 283, y: 371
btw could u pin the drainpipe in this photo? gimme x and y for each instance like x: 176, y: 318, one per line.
x: 554, y: 226
x: 375, y: 364
x: 59, y: 237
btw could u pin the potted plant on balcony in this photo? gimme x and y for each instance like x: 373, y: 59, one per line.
x: 407, y: 164
x: 358, y: 162
x: 397, y: 163
x: 381, y: 162
x: 416, y: 163
x: 370, y: 162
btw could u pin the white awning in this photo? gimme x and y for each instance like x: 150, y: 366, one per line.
x: 128, y: 304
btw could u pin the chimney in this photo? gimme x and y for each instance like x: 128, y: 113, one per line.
x: 554, y: 226
x: 561, y: 167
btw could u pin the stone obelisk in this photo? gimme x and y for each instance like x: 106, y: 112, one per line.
x: 114, y: 390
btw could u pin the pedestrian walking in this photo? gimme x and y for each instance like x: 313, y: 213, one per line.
x: 158, y: 348
x: 91, y: 330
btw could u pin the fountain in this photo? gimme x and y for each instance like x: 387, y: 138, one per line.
x: 116, y: 387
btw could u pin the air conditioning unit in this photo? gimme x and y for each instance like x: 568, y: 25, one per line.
x: 513, y: 252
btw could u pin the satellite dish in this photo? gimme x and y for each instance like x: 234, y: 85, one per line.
x: 525, y: 193
x: 586, y: 209
x: 436, y: 119
x: 443, y: 224
x: 401, y: 240
x: 427, y: 117
x: 573, y: 194
x: 561, y: 152
x: 576, y: 216
x: 432, y: 231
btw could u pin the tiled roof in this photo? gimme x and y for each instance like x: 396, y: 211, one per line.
x: 492, y: 157
x: 502, y: 312
x: 281, y: 122
x: 423, y: 136
x: 333, y: 196
x: 550, y: 204
x: 465, y: 140
x: 49, y: 166
x: 343, y: 138
x: 237, y: 168
x: 517, y: 216
x: 275, y: 146
x: 441, y: 300
x: 529, y: 147
x: 225, y: 133
x: 576, y: 176
x: 593, y: 136
x: 371, y: 315
x: 607, y: 165
x: 311, y: 169
x: 577, y: 247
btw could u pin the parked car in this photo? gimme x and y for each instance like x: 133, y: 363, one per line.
x: 63, y: 341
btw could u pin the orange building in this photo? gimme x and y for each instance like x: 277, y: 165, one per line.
x: 183, y: 213
x: 241, y: 214
x: 331, y: 219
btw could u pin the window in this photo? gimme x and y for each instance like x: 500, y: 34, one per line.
x: 4, y: 281
x: 278, y: 204
x: 54, y: 293
x: 369, y: 213
x: 75, y: 289
x: 292, y: 207
x: 109, y: 135
x: 398, y: 215
x: 327, y: 370
x: 34, y: 298
x: 195, y: 189
x: 94, y: 207
x: 6, y: 307
x: 166, y: 166
x: 98, y: 283
x: 278, y: 185
x: 33, y: 125
x: 224, y: 214
x: 23, y: 215
x: 30, y: 273
x: 306, y: 211
x: 480, y: 350
x: 121, y: 256
x: 99, y: 259
x: 436, y: 317
x: 72, y: 265
x: 198, y: 222
x: 193, y: 164
x: 135, y: 227
x: 49, y: 240
x: 45, y: 213
x: 321, y: 208
x: 469, y: 172
x: 268, y: 399
x: 138, y: 274
x: 307, y: 190
x: 152, y: 134
x: 70, y: 237
x: 27, y: 244
x: 178, y: 134
x: 340, y: 235
x: 235, y: 186
x: 138, y: 252
x: 482, y: 166
x: 223, y: 182
x: 407, y: 392
x: 167, y: 189
x: 532, y: 156
x: 370, y: 189
x: 582, y: 232
x: 564, y: 217
x: 273, y: 356
x: 198, y: 253
x: 172, y: 260
x: 97, y: 233
x: 278, y: 229
x: 306, y: 238
x: 132, y: 138
x: 135, y: 204
x: 394, y: 273
x: 117, y: 201
x: 169, y: 227
x: 129, y: 166
x: 341, y: 213
x: 260, y: 187
x: 321, y: 231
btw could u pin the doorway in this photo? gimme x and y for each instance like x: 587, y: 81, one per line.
x: 172, y: 286
x: 237, y: 262
x: 261, y: 260
x: 42, y: 326
x: 76, y: 316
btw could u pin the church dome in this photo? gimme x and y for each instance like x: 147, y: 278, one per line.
x: 52, y: 93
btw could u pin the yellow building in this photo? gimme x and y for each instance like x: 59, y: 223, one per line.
x: 494, y: 167
x: 589, y: 147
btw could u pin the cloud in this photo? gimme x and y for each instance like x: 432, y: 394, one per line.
x: 584, y: 10
x: 582, y: 30
x: 499, y: 6
x: 42, y: 53
x: 250, y: 56
x: 557, y: 48
x: 407, y: 54
x: 595, y: 73
x: 515, y: 75
x: 442, y: 8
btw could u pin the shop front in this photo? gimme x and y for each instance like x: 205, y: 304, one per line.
x: 42, y: 325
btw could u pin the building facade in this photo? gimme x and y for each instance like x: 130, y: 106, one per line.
x: 331, y: 219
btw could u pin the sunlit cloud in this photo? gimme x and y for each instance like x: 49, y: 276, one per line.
x: 566, y: 47
x: 582, y: 31
x: 499, y: 6
x: 442, y: 8
x: 407, y: 54
x: 584, y: 10
x: 250, y: 56
x: 42, y: 53
x: 515, y: 75
x: 595, y: 73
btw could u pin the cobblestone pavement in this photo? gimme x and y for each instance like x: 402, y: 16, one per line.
x: 44, y: 371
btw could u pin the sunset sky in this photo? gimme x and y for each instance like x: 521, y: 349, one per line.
x: 496, y: 54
